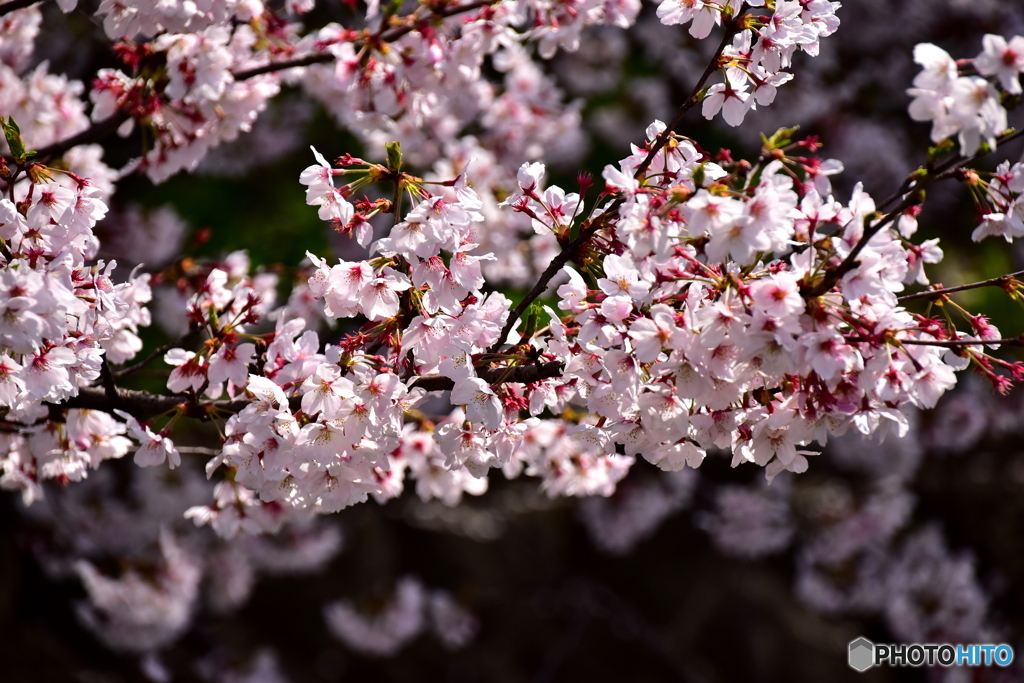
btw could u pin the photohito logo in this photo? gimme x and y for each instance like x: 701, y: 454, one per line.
x: 863, y: 654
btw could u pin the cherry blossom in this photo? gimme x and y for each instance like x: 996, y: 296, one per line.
x: 703, y: 303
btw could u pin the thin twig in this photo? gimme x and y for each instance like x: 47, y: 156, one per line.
x: 1000, y: 281
x: 192, y: 450
x: 950, y: 344
x: 183, y: 340
x: 910, y: 180
x: 1013, y: 341
x: 731, y: 29
x: 198, y: 450
x: 556, y: 265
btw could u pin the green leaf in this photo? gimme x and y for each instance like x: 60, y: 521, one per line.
x: 394, y: 156
x: 941, y: 149
x: 392, y: 8
x: 780, y: 138
x: 13, y: 134
x: 698, y: 176
x: 533, y: 314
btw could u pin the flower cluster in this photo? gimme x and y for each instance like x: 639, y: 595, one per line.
x: 198, y: 104
x: 48, y: 106
x: 61, y: 318
x: 752, y: 66
x: 712, y: 303
x: 968, y: 105
x: 1001, y: 206
x: 681, y: 333
x: 197, y: 74
x: 692, y: 306
x: 690, y: 336
x: 132, y: 17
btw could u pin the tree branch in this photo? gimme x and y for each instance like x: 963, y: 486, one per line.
x: 954, y: 343
x: 1000, y: 281
x: 13, y: 5
x: 143, y: 403
x: 192, y: 450
x: 523, y: 374
x: 732, y: 27
x: 183, y: 340
x: 397, y: 32
x: 94, y: 133
x: 562, y: 258
x: 137, y: 403
x: 107, y: 378
x: 316, y: 58
x: 949, y: 343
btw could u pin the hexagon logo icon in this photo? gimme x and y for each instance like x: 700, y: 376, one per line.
x: 862, y: 654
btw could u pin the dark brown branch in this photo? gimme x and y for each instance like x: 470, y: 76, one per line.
x: 557, y: 263
x: 1000, y: 281
x: 443, y: 12
x: 525, y: 374
x: 192, y: 450
x: 317, y: 58
x: 143, y: 404
x: 947, y: 168
x: 833, y: 276
x: 903, y: 189
x: 590, y: 227
x: 13, y: 5
x: 137, y: 403
x: 183, y: 340
x: 949, y: 344
x: 732, y: 27
x: 107, y: 378
x: 1013, y: 341
x: 388, y: 36
x: 94, y: 133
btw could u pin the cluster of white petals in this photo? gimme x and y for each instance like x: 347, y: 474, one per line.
x: 703, y: 304
x: 759, y: 53
x: 966, y: 105
x: 61, y: 317
x: 209, y: 68
x: 685, y: 334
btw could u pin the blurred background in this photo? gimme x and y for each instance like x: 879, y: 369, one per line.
x: 705, y: 575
